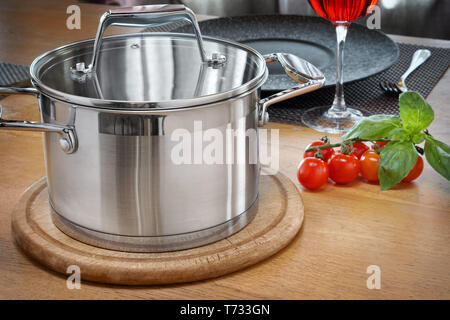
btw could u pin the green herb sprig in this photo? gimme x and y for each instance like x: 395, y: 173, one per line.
x: 399, y: 156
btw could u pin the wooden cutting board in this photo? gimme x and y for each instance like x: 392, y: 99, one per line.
x: 278, y: 220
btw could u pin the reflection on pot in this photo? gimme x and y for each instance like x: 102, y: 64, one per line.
x: 131, y: 125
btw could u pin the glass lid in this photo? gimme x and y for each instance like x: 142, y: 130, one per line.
x: 149, y: 70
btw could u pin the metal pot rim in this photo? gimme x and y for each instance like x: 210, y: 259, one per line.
x: 157, y: 106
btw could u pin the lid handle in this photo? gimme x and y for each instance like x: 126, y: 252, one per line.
x: 140, y: 16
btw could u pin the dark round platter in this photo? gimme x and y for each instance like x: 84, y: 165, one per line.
x: 367, y: 52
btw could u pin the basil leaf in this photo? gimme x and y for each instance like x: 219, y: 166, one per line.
x: 398, y: 134
x: 438, y: 156
x: 373, y: 128
x: 415, y: 112
x: 418, y: 138
x: 396, y: 161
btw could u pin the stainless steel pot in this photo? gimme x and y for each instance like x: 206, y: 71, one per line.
x: 109, y: 126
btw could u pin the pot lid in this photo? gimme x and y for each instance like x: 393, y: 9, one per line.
x: 149, y: 70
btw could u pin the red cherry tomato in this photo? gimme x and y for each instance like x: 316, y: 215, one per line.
x: 326, y: 153
x: 359, y: 148
x: 415, y: 171
x: 369, y: 165
x: 344, y: 168
x: 380, y: 144
x: 312, y: 173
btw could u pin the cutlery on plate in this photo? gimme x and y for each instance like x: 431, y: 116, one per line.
x: 419, y: 57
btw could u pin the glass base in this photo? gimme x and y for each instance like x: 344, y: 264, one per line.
x: 320, y: 119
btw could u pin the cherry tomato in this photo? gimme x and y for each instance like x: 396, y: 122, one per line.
x: 415, y: 171
x: 369, y: 165
x: 344, y: 168
x: 312, y: 173
x: 326, y: 153
x: 359, y: 148
x: 380, y: 144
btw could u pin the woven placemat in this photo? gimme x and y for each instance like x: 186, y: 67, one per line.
x: 366, y: 94
x: 13, y: 75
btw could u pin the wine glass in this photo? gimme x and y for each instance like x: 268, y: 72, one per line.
x: 338, y: 118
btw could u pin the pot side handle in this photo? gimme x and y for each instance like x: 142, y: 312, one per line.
x: 299, y: 70
x: 142, y: 16
x: 68, y: 140
x: 18, y: 90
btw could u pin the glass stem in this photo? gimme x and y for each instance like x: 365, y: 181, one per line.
x: 339, y: 109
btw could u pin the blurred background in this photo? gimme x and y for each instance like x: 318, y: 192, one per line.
x: 419, y: 18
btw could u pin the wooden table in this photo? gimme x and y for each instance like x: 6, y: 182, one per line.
x: 404, y: 231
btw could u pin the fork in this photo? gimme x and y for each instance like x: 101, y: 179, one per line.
x: 419, y: 57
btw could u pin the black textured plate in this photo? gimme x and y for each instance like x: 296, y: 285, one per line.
x: 367, y: 52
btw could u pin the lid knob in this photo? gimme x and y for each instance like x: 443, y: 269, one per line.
x: 217, y: 60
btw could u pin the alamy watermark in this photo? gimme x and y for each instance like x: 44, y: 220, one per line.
x: 374, y: 280
x: 228, y: 146
x: 73, y: 21
x: 74, y: 280
x: 374, y: 17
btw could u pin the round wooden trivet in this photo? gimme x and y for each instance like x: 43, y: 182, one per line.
x: 279, y: 218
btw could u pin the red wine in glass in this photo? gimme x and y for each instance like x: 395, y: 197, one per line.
x: 342, y: 10
x: 338, y: 118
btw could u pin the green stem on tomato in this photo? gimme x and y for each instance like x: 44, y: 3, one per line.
x: 377, y: 147
x: 335, y: 145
